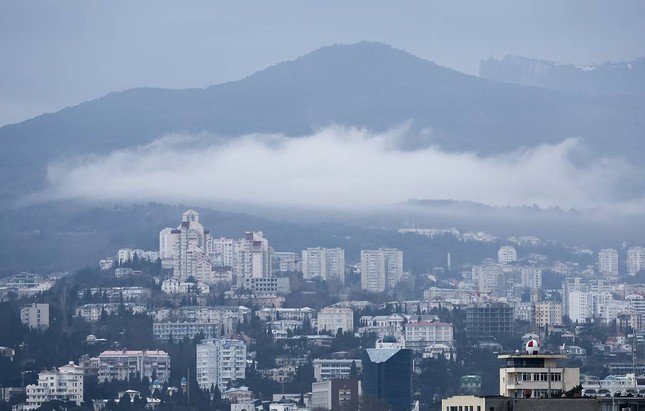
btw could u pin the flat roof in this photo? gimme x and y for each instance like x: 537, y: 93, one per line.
x: 508, y: 356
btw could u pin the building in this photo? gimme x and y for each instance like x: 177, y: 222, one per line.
x: 635, y: 260
x: 168, y: 246
x: 252, y: 256
x: 178, y: 331
x: 506, y: 254
x: 268, y: 285
x: 381, y: 269
x: 219, y: 362
x: 496, y: 403
x: 284, y: 262
x: 35, y: 316
x: 608, y: 262
x: 325, y: 263
x: 548, y: 313
x: 423, y: 334
x: 336, y: 318
x: 173, y: 286
x: 580, y: 306
x: 488, y: 322
x: 123, y: 364
x: 129, y: 254
x: 336, y: 395
x: 531, y: 278
x: 92, y: 312
x: 335, y: 368
x: 63, y: 383
x: 535, y: 375
x: 387, y: 376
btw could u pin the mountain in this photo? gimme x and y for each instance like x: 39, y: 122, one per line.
x: 627, y: 78
x: 369, y: 85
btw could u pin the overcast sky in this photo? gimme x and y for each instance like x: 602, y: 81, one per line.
x: 58, y: 53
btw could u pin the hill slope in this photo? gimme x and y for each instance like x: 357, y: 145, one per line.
x: 366, y: 84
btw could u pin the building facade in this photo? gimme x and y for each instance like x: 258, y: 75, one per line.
x: 336, y: 318
x: 219, y: 362
x: 35, y: 316
x: 381, y: 269
x: 63, y: 383
x: 123, y: 364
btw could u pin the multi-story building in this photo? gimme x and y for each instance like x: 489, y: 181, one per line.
x: 336, y: 395
x: 129, y: 254
x: 580, y: 306
x: 92, y: 312
x: 274, y: 314
x: 227, y: 315
x: 123, y: 364
x: 531, y: 278
x: 488, y: 322
x: 336, y: 318
x: 284, y: 262
x: 174, y: 286
x: 608, y: 262
x: 219, y: 362
x: 63, y: 384
x: 635, y: 260
x: 252, y: 256
x: 548, y: 313
x: 168, y: 246
x: 35, y: 316
x: 535, y: 375
x: 381, y: 269
x: 506, y: 254
x: 387, y: 376
x: 333, y: 368
x: 268, y: 285
x: 420, y: 335
x: 325, y: 263
x: 178, y: 331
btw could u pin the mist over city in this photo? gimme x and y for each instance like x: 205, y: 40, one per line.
x: 297, y: 206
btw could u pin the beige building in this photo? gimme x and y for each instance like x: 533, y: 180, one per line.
x: 548, y: 313
x: 334, y: 318
x: 535, y: 375
x: 35, y: 316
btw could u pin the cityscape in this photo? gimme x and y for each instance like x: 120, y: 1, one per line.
x: 322, y: 206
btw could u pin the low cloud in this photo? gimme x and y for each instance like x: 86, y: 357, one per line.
x: 338, y: 168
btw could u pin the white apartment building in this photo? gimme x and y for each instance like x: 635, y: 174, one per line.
x: 531, y: 278
x: 420, y: 335
x: 608, y: 262
x: 335, y: 318
x: 121, y: 364
x: 548, y: 313
x: 325, y: 263
x: 35, y: 316
x: 173, y: 286
x: 223, y: 251
x: 63, y: 383
x: 220, y: 361
x: 580, y: 306
x: 332, y: 368
x: 381, y: 269
x: 178, y: 331
x: 252, y: 256
x: 506, y: 254
x: 635, y: 260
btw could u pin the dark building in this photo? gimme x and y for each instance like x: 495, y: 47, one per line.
x: 488, y: 322
x: 387, y: 376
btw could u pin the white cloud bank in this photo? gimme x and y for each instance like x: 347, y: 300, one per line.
x: 337, y: 168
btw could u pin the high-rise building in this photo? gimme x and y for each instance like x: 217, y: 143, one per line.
x: 548, y: 313
x: 580, y: 307
x: 122, y: 364
x: 532, y: 278
x: 535, y: 375
x: 506, y: 254
x: 63, y: 383
x: 285, y: 261
x: 35, y: 316
x: 635, y: 260
x: 381, y: 269
x: 387, y: 376
x: 608, y: 262
x: 488, y: 322
x: 252, y: 257
x: 219, y: 362
x: 223, y: 251
x: 325, y: 263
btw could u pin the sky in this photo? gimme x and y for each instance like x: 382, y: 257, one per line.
x: 60, y: 53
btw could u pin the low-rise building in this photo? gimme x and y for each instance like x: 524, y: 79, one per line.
x: 123, y: 364
x: 420, y: 335
x: 334, y: 368
x: 178, y: 331
x: 336, y: 318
